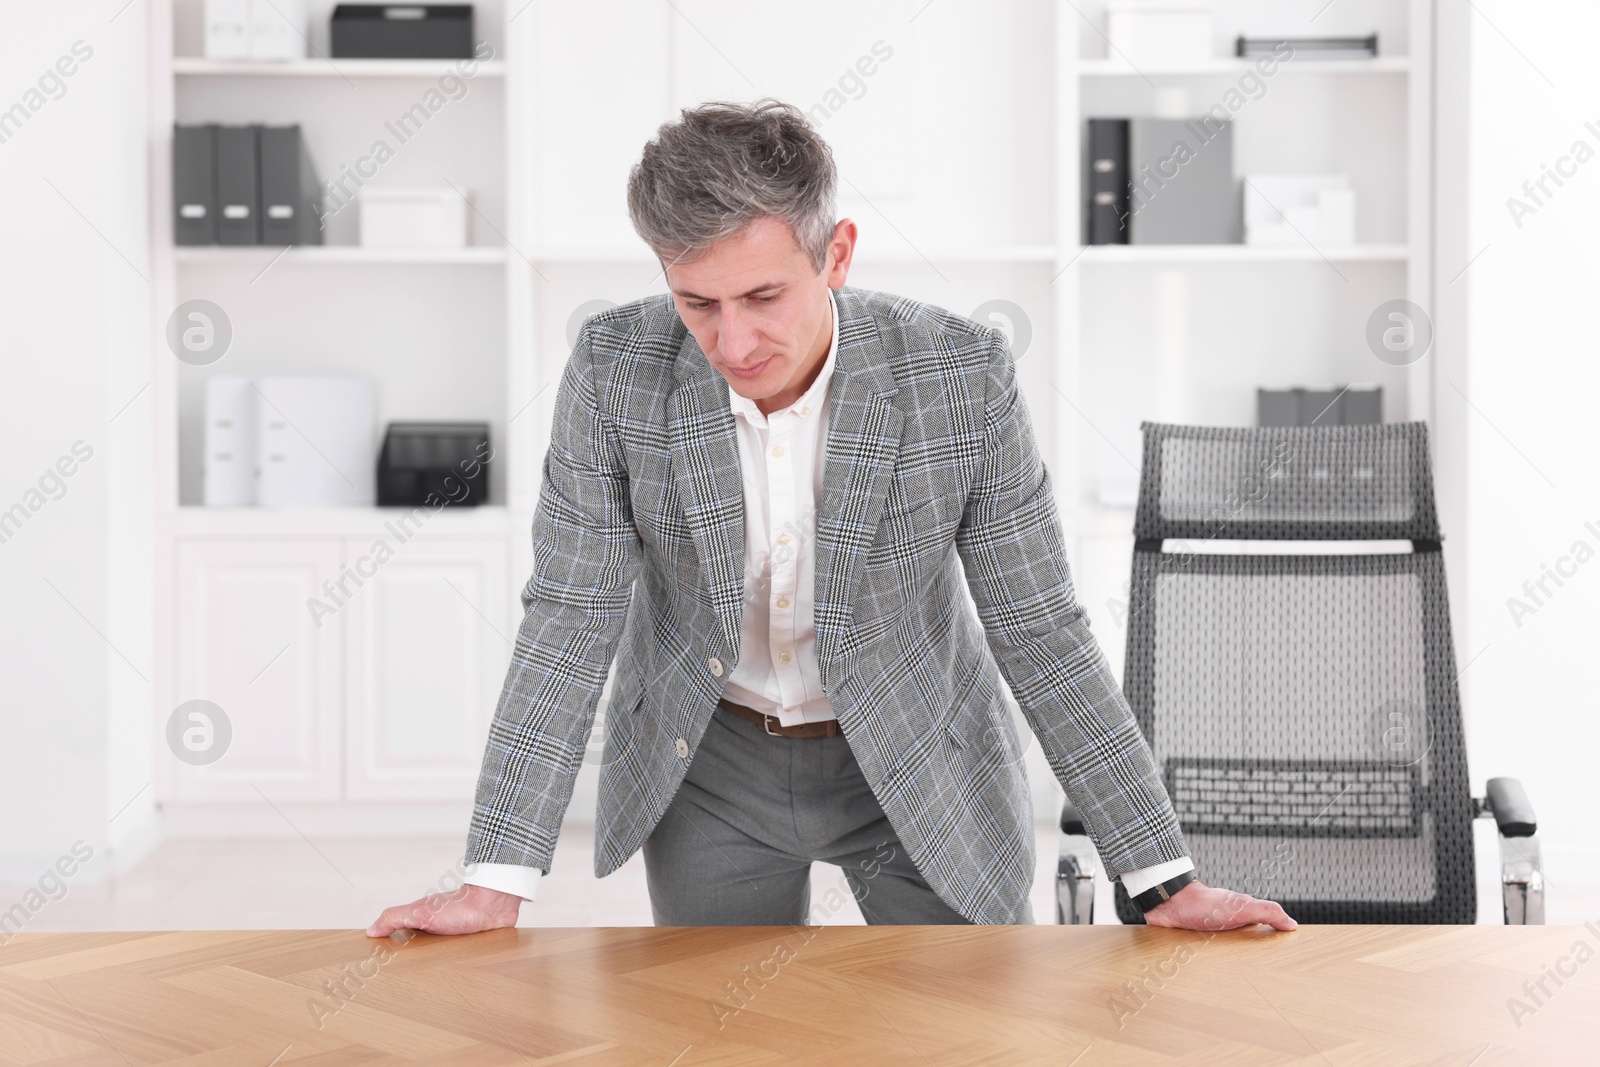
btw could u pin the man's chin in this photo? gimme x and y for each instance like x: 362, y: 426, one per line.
x: 760, y: 387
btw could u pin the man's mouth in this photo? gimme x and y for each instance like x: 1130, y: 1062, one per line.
x: 751, y: 372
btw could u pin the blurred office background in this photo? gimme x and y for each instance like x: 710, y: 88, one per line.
x: 348, y: 686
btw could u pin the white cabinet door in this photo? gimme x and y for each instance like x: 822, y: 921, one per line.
x: 249, y: 643
x: 429, y: 638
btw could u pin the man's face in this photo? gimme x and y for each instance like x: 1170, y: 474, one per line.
x: 759, y: 309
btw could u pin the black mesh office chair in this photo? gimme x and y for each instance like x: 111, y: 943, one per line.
x: 1303, y: 708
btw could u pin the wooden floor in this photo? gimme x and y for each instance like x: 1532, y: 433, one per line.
x: 825, y: 995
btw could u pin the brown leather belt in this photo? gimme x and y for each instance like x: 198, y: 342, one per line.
x: 769, y: 723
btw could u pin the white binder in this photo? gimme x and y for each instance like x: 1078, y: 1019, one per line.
x: 316, y: 442
x: 229, y: 470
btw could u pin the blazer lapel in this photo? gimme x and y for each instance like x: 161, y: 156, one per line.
x: 705, y: 463
x: 863, y: 445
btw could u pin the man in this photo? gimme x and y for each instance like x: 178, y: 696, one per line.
x: 773, y: 492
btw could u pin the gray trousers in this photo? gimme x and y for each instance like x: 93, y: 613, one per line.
x: 736, y: 845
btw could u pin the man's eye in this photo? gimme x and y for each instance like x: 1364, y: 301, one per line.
x: 766, y: 299
x: 701, y: 306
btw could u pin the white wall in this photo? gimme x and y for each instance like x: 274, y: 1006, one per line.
x: 74, y: 645
x: 76, y: 337
x: 1529, y: 403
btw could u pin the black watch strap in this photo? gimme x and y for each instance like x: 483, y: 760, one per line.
x: 1155, y: 895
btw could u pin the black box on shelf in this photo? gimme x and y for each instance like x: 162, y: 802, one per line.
x: 402, y: 31
x: 423, y: 462
x: 1308, y: 48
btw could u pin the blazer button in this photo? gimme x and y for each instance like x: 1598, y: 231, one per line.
x: 716, y: 666
x: 682, y: 748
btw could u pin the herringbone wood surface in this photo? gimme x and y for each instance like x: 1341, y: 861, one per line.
x: 826, y: 995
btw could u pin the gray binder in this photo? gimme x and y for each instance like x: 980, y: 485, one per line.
x: 1321, y: 406
x: 238, y: 186
x: 290, y: 193
x: 1361, y: 405
x: 1181, y: 185
x: 1277, y: 407
x: 194, y: 185
x: 1329, y: 406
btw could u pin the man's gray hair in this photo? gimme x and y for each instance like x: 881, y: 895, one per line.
x: 723, y: 165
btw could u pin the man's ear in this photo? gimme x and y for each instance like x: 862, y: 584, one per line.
x: 841, y: 251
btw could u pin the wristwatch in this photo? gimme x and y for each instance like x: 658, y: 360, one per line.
x: 1156, y: 895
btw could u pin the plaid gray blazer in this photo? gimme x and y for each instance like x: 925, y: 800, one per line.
x: 931, y: 476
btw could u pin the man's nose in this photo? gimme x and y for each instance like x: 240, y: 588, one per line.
x: 736, y: 338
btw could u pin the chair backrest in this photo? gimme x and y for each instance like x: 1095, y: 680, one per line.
x: 1302, y: 707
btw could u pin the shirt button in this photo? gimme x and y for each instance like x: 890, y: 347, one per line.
x: 783, y: 539
x: 777, y: 450
x: 783, y: 602
x: 806, y: 410
x: 784, y: 657
x: 716, y: 666
x: 681, y: 747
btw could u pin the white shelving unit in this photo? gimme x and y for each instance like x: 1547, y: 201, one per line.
x: 1242, y: 253
x: 1186, y: 333
x: 325, y: 67
x: 1231, y: 66
x: 384, y: 692
x: 967, y: 190
x: 340, y: 254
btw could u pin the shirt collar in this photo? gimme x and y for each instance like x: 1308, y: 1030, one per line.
x: 813, y: 395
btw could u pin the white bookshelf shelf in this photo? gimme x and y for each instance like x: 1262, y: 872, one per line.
x: 1041, y: 253
x: 194, y: 520
x: 485, y: 255
x: 1384, y: 253
x: 593, y: 254
x: 974, y: 254
x: 1120, y: 68
x: 331, y: 68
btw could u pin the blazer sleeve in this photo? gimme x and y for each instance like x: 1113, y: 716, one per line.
x: 586, y: 552
x: 1011, y: 548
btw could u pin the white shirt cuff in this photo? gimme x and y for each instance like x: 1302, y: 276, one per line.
x: 508, y: 878
x: 1140, y: 879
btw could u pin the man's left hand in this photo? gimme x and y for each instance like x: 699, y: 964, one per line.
x: 1198, y: 906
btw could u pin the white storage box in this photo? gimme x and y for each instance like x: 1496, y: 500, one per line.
x: 1157, y: 32
x: 413, y: 218
x: 255, y: 29
x: 1294, y: 209
x: 278, y: 29
x: 227, y: 29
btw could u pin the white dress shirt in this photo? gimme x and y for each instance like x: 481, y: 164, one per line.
x: 782, y: 456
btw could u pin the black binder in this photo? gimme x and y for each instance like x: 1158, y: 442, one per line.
x: 238, y: 186
x: 290, y: 193
x: 1107, y: 182
x: 194, y: 185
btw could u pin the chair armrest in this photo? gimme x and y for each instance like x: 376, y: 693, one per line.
x: 1076, y: 870
x: 1508, y: 802
x: 1071, y: 821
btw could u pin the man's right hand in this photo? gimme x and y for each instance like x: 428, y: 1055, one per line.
x: 466, y: 911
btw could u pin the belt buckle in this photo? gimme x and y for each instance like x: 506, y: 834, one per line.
x: 766, y: 724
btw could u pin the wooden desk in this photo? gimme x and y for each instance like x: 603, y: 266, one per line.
x: 827, y: 995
